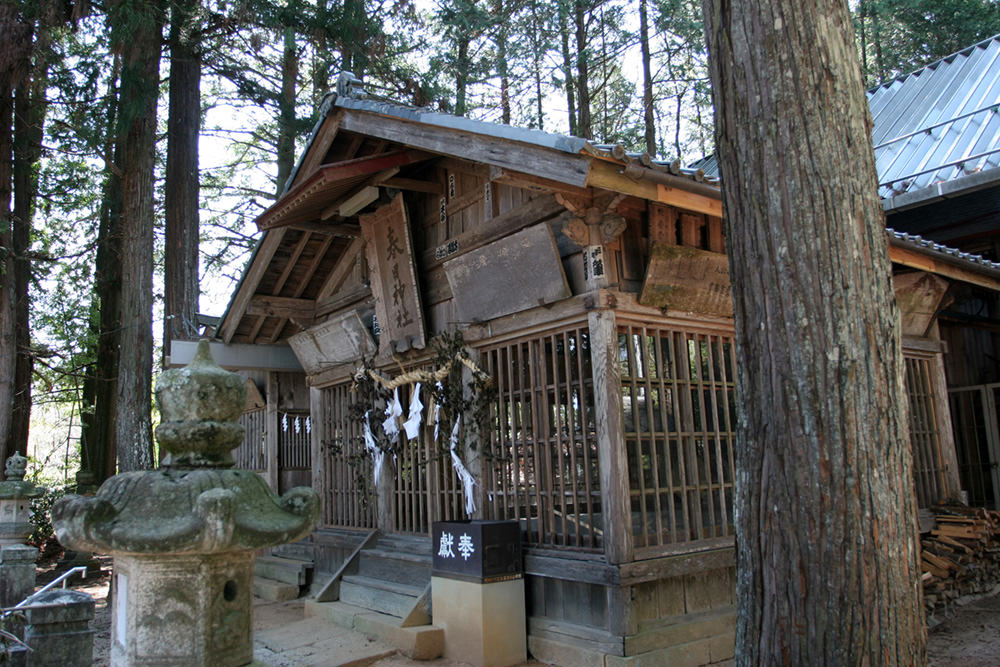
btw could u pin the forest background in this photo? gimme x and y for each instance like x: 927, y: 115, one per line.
x: 139, y: 139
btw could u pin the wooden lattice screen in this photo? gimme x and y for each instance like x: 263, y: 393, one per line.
x: 542, y: 466
x: 925, y: 443
x: 679, y: 420
x: 294, y: 450
x: 349, y: 494
x: 252, y: 453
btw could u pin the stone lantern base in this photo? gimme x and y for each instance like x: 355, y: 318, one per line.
x: 183, y: 610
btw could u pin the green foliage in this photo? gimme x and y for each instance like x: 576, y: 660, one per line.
x: 897, y: 36
x: 41, y: 519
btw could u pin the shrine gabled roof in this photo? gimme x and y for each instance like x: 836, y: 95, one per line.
x: 938, y: 128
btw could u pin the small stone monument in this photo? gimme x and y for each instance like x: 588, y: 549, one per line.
x: 183, y: 536
x: 17, y: 560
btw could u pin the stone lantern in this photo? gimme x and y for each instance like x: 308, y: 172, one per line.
x: 17, y: 560
x: 15, y: 502
x: 183, y: 536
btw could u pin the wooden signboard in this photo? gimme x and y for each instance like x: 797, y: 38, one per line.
x: 687, y: 279
x: 920, y: 297
x: 515, y: 273
x: 394, y: 278
x: 341, y: 339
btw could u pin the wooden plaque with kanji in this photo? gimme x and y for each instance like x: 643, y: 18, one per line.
x: 394, y: 278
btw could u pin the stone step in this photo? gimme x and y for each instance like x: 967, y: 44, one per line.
x: 398, y: 566
x: 287, y: 570
x: 296, y: 550
x: 423, y: 642
x: 387, y: 597
x: 274, y: 591
x: 413, y: 544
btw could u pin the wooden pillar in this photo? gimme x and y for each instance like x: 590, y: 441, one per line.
x: 610, y: 436
x: 271, y: 427
x: 952, y: 487
x: 318, y: 434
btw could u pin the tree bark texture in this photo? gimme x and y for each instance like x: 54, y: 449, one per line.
x: 286, y: 109
x: 7, y: 294
x: 180, y: 264
x: 567, y: 65
x: 648, y: 119
x: 30, y: 108
x: 139, y: 34
x: 827, y: 550
x: 584, y: 126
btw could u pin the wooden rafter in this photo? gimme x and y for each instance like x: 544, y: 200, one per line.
x: 261, y: 259
x: 319, y: 147
x: 917, y: 260
x: 341, y: 270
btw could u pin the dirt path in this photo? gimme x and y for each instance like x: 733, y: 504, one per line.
x: 968, y: 637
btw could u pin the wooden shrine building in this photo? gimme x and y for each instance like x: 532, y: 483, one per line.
x: 592, y: 287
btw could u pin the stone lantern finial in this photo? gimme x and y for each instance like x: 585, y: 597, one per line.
x: 15, y: 467
x: 200, y: 405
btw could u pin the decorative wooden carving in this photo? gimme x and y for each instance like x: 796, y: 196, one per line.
x: 920, y: 296
x: 393, y: 277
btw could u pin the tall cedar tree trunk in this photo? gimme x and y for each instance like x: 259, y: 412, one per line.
x: 461, y: 75
x: 30, y: 106
x: 536, y: 63
x: 567, y: 66
x: 137, y: 31
x: 7, y: 294
x: 286, y: 109
x: 583, y: 126
x: 502, y: 65
x: 180, y: 263
x: 322, y: 61
x: 649, y: 121
x: 97, y: 418
x: 827, y: 552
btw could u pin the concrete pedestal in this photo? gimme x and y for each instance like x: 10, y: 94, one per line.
x: 484, y: 624
x: 58, y: 629
x: 183, y: 610
x: 17, y: 573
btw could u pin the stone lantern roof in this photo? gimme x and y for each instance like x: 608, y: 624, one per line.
x: 195, y: 503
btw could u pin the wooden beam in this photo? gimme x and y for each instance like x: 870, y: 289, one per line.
x: 917, y: 260
x: 259, y: 262
x: 282, y: 306
x: 413, y: 184
x: 534, y: 160
x: 352, y: 203
x: 343, y: 267
x: 606, y: 175
x: 345, y: 229
x: 318, y: 148
x: 237, y: 356
x: 528, y: 182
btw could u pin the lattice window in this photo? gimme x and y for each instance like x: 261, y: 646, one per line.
x: 252, y: 454
x: 679, y: 420
x: 349, y: 495
x: 925, y: 442
x: 294, y: 445
x: 542, y: 465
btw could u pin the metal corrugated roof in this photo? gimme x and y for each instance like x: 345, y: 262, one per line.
x: 939, y: 123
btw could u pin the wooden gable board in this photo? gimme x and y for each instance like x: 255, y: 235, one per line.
x: 687, y: 279
x: 515, y: 273
x: 341, y: 339
x: 534, y: 160
x: 393, y: 277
